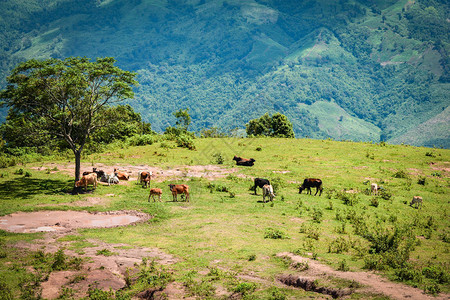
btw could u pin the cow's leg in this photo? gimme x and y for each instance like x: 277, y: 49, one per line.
x: 255, y: 188
x: 187, y: 196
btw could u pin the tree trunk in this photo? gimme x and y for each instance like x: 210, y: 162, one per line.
x: 77, y: 164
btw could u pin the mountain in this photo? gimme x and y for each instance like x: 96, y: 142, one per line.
x: 348, y: 70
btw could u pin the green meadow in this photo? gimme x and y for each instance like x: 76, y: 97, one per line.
x: 226, y: 234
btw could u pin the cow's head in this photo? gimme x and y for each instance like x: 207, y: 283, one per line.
x: 236, y: 158
x: 171, y: 186
x: 300, y: 189
x: 78, y: 183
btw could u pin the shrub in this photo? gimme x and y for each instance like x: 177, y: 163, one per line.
x: 185, y: 141
x: 19, y: 172
x: 27, y: 174
x: 347, y: 198
x: 343, y: 266
x: 385, y: 194
x: 272, y: 233
x: 7, y: 161
x: 317, y: 215
x: 5, y: 291
x: 400, y: 174
x: 142, y: 139
x: 245, y: 288
x: 310, y: 230
x: 276, y: 294
x: 437, y: 273
x: 338, y: 245
x: 374, y: 202
x: 433, y: 289
x: 218, y: 158
x: 408, y: 274
x: 421, y: 180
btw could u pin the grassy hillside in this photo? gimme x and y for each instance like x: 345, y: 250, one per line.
x: 382, y: 62
x: 225, y: 240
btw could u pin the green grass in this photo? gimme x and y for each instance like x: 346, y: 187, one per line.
x: 215, y: 230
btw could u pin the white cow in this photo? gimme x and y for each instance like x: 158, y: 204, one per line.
x: 268, y: 191
x: 374, y: 188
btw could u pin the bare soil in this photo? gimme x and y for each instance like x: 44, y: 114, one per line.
x: 372, y: 282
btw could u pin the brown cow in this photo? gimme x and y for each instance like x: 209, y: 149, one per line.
x: 86, y: 180
x: 145, y: 177
x: 153, y: 193
x: 122, y: 175
x: 308, y: 183
x: 240, y: 161
x: 179, y: 189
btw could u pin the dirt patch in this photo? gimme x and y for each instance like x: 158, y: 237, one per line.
x: 373, y: 283
x: 207, y: 171
x: 65, y: 221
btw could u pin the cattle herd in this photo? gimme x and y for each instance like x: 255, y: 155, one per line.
x: 144, y: 178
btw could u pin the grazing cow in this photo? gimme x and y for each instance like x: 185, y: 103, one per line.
x: 308, y: 183
x: 268, y: 191
x: 416, y: 200
x: 260, y: 182
x: 374, y: 188
x: 179, y: 189
x: 122, y: 175
x: 145, y: 177
x: 153, y: 193
x: 240, y: 161
x: 87, y: 180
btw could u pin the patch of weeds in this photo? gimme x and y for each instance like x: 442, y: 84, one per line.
x: 347, y: 198
x: 370, y: 155
x: 445, y: 237
x: 62, y: 262
x: 218, y: 158
x: 343, y: 266
x: 436, y: 174
x: 77, y: 278
x: 95, y: 293
x: 310, y: 230
x: 400, y: 174
x: 338, y: 245
x: 421, y: 180
x: 218, y: 188
x: 244, y: 288
x: 66, y: 293
x: 277, y: 184
x: 276, y: 294
x: 5, y: 291
x: 272, y: 233
x: 317, y: 215
x: 340, y: 228
x: 259, y: 148
x: 385, y: 194
x: 330, y: 206
x: 300, y: 266
x: 374, y: 202
x: 436, y: 272
x: 19, y: 171
x: 433, y: 289
x: 202, y: 288
x: 430, y: 154
x: 106, y: 252
x: 251, y: 257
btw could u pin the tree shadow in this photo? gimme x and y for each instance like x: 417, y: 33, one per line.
x: 25, y: 188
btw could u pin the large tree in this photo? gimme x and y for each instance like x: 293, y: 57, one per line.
x: 67, y: 99
x: 276, y: 126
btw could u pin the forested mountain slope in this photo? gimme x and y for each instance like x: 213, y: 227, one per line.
x: 361, y: 70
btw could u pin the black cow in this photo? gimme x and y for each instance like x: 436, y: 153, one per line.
x: 240, y: 161
x: 260, y: 182
x: 308, y: 183
x: 99, y: 173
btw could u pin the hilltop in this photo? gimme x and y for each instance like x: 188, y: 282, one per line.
x: 352, y: 70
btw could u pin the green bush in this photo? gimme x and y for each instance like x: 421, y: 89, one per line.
x: 343, y: 266
x: 142, y: 139
x: 272, y: 233
x: 338, y: 245
x: 400, y: 174
x: 185, y: 141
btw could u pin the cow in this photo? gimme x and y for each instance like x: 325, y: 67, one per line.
x: 374, y: 188
x: 99, y: 173
x: 268, y: 191
x: 153, y: 193
x: 110, y: 178
x: 416, y: 200
x: 260, y: 182
x: 308, y: 183
x: 87, y: 180
x: 145, y: 177
x: 179, y: 189
x: 240, y: 161
x: 122, y: 175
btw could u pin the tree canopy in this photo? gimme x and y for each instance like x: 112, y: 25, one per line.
x: 66, y: 99
x: 276, y: 126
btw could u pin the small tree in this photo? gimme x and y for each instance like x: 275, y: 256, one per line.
x: 67, y: 99
x: 276, y: 126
